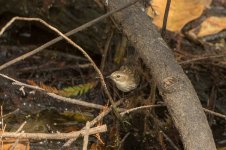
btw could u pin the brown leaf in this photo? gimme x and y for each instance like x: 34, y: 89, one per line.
x: 43, y: 86
x: 210, y: 25
x: 49, y: 88
x: 9, y: 143
x: 181, y: 12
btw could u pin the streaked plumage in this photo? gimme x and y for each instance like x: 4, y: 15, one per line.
x: 126, y: 78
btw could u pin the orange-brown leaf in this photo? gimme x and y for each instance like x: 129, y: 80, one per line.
x: 48, y: 88
x: 9, y: 143
x: 181, y: 12
x: 210, y: 25
x: 43, y: 86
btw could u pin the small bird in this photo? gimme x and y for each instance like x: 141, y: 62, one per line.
x: 126, y: 78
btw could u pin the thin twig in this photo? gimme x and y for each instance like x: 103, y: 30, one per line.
x: 21, y: 127
x: 169, y: 140
x: 138, y: 108
x: 2, y: 121
x: 2, y: 126
x: 76, y: 101
x: 18, y: 138
x: 58, y: 97
x: 45, y: 69
x: 165, y: 18
x: 215, y: 113
x: 94, y: 121
x: 15, y: 143
x: 200, y: 58
x: 55, y: 136
x: 123, y: 140
x: 162, y: 105
x: 86, y: 136
x: 106, y: 48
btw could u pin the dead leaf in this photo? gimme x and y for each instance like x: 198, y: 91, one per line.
x: 43, y: 86
x: 95, y: 146
x: 78, y: 116
x: 9, y: 143
x: 181, y: 12
x: 210, y: 25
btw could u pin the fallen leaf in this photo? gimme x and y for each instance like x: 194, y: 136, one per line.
x: 78, y: 116
x: 181, y: 12
x: 210, y: 25
x: 9, y: 143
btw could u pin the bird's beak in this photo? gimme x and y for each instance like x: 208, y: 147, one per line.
x: 108, y: 77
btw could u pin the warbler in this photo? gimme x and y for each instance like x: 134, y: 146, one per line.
x: 126, y: 78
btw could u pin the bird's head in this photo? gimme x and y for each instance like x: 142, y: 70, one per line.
x: 119, y: 77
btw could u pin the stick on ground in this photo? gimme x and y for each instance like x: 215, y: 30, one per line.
x: 55, y: 136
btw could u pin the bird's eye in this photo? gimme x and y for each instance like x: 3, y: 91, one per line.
x: 118, y: 76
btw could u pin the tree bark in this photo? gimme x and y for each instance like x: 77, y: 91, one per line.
x: 174, y: 86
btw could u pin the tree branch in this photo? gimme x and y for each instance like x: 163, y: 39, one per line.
x: 174, y: 86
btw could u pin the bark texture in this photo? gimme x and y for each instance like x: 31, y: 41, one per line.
x: 174, y: 86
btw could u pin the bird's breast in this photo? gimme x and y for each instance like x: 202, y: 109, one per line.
x: 126, y: 87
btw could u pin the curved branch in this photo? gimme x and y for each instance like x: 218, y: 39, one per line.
x: 174, y: 86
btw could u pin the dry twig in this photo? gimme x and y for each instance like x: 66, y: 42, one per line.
x: 18, y: 138
x: 55, y: 136
x: 106, y: 48
x: 9, y: 114
x: 200, y: 58
x: 215, y: 113
x: 123, y: 140
x: 169, y: 140
x: 58, y: 97
x: 86, y: 136
x: 94, y: 121
x: 21, y: 127
x: 2, y: 125
x: 138, y: 108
